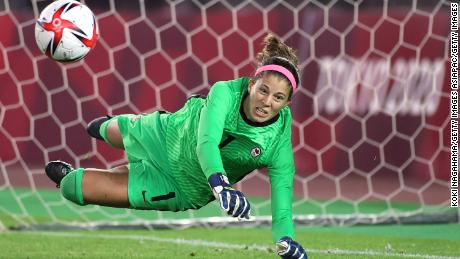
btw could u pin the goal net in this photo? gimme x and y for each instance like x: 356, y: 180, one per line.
x: 370, y: 121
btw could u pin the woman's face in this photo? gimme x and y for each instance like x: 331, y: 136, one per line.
x: 267, y: 96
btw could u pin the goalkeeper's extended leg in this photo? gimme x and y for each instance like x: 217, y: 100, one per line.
x: 91, y: 186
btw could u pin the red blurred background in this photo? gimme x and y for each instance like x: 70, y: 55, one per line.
x: 153, y: 56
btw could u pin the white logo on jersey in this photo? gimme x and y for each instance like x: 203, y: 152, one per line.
x: 255, y: 152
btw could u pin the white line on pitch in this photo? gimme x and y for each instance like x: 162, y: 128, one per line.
x: 233, y: 246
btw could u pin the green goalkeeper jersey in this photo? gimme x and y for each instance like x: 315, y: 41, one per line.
x: 213, y: 135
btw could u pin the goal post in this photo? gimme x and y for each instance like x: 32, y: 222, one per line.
x: 371, y: 119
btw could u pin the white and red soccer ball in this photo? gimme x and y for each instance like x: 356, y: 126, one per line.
x: 66, y: 30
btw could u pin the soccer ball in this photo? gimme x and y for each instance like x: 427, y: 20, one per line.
x: 66, y: 30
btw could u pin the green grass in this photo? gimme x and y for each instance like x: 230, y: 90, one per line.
x: 25, y: 206
x: 20, y: 206
x: 415, y: 241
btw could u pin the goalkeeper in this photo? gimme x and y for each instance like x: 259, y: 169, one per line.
x: 184, y: 160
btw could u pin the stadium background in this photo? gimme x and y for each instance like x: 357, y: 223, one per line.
x: 152, y: 55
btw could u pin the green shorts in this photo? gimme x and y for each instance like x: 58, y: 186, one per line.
x: 150, y: 186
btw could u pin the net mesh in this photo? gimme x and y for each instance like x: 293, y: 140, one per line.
x: 370, y: 119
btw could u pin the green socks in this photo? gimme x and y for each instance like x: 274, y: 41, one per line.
x: 71, y: 186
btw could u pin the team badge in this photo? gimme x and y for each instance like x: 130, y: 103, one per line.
x: 255, y: 152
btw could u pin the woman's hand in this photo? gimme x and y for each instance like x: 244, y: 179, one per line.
x: 290, y: 249
x: 232, y: 201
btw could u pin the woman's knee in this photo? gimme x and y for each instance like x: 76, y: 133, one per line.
x: 106, y: 128
x: 114, y: 135
x: 71, y: 187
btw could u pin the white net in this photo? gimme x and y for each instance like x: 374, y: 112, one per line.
x: 371, y: 118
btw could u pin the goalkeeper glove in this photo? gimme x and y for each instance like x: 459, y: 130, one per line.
x: 290, y: 249
x: 232, y: 201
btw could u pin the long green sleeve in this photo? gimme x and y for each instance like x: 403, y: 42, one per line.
x: 281, y: 173
x: 210, y: 128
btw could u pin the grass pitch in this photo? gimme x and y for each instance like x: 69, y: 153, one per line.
x: 414, y: 241
x: 21, y: 205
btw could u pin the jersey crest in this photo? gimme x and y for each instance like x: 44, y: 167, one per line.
x: 255, y: 152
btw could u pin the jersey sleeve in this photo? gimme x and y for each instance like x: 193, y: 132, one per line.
x: 211, y: 126
x: 281, y: 173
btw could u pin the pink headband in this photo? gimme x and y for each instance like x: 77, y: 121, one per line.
x: 280, y: 69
